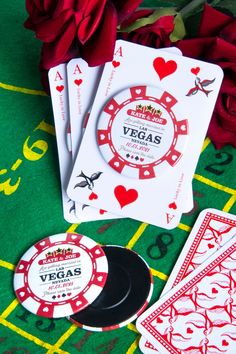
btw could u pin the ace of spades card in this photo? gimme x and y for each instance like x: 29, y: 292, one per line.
x: 145, y: 132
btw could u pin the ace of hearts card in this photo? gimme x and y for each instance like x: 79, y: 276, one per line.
x: 145, y: 132
x: 73, y: 212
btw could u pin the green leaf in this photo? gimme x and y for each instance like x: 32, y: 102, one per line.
x: 150, y: 19
x: 179, y: 29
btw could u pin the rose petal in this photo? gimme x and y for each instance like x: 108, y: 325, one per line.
x: 92, y: 15
x: 212, y: 21
x: 219, y: 136
x: 135, y: 16
x: 58, y: 52
x: 47, y: 6
x: 229, y: 33
x: 231, y: 106
x: 100, y: 48
x: 221, y: 50
x: 196, y: 47
x: 125, y: 8
x: 50, y: 29
x: 226, y: 108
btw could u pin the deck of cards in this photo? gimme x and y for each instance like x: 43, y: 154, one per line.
x: 130, y: 133
x: 196, y: 312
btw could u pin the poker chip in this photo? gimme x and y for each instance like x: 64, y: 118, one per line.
x: 142, y: 132
x: 60, y: 275
x: 126, y: 294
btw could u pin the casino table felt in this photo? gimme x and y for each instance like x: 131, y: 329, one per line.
x: 30, y: 202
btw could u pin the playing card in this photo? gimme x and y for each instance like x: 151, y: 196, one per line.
x: 82, y: 86
x: 59, y: 98
x: 212, y: 229
x: 198, y: 314
x: 145, y: 133
x: 188, y: 206
x: 146, y: 347
x: 73, y: 212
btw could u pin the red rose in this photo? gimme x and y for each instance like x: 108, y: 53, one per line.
x: 156, y: 34
x: 70, y: 28
x: 216, y: 43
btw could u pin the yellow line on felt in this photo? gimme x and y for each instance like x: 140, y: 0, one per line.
x: 207, y: 141
x: 158, y: 274
x: 28, y: 336
x: 62, y: 339
x: 184, y: 227
x: 214, y: 184
x: 7, y: 265
x: 133, y: 346
x: 10, y: 308
x: 73, y: 227
x: 229, y: 203
x: 132, y: 327
x: 137, y: 234
x: 22, y: 90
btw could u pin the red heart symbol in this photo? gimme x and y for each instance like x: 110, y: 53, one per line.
x: 225, y: 343
x: 210, y: 245
x: 189, y: 330
x: 172, y: 206
x: 214, y: 291
x: 101, y: 211
x: 115, y: 63
x: 60, y: 88
x: 164, y: 68
x: 125, y: 196
x: 93, y: 196
x: 78, y: 81
x: 195, y: 71
x: 159, y: 320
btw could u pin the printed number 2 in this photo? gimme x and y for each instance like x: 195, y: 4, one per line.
x: 224, y: 158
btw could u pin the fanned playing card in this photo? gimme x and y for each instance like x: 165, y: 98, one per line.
x: 73, y: 212
x: 82, y: 86
x: 198, y: 315
x: 212, y: 229
x: 59, y: 98
x: 145, y: 132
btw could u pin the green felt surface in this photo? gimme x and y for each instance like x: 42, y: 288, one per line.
x: 30, y: 201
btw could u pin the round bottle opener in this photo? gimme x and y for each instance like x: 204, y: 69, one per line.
x: 142, y: 132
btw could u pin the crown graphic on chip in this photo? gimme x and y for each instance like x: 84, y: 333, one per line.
x: 59, y: 252
x: 148, y: 108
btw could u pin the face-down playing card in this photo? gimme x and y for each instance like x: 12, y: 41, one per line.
x: 145, y: 133
x: 212, y: 229
x: 198, y: 314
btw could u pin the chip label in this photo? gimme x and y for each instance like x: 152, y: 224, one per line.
x: 138, y: 130
x: 60, y: 275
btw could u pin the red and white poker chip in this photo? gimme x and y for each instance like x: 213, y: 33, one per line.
x: 60, y: 275
x: 142, y: 132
